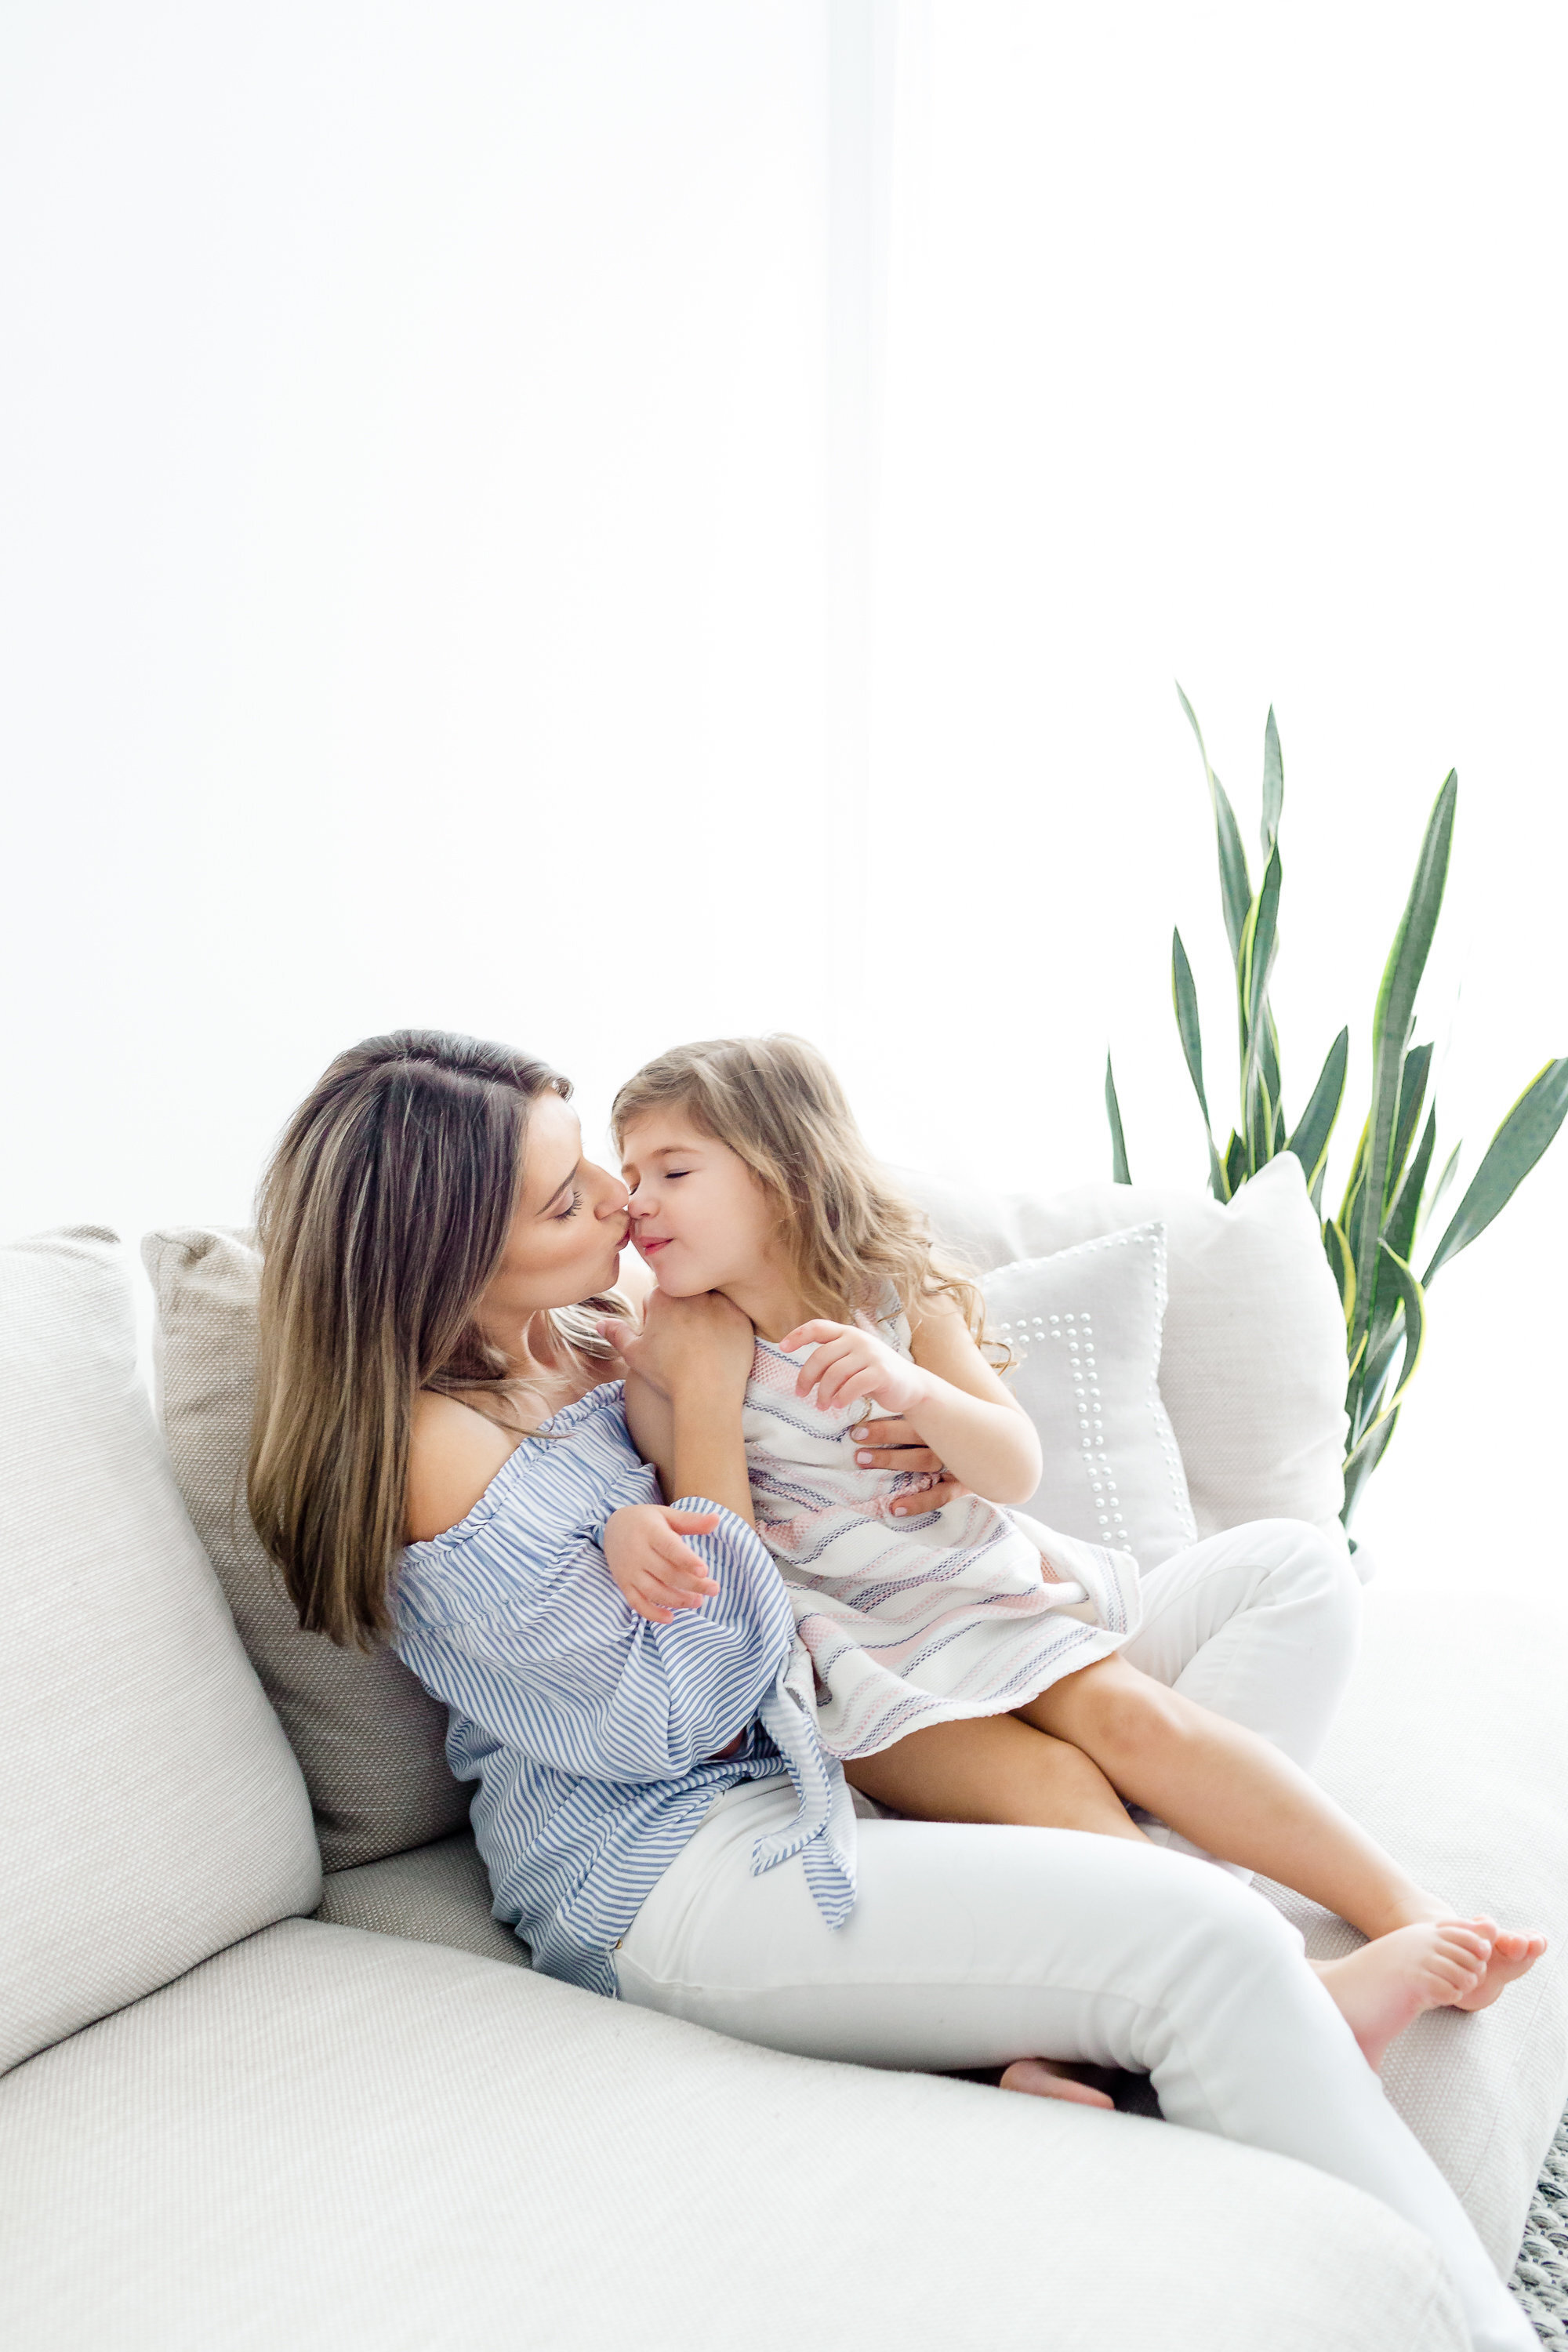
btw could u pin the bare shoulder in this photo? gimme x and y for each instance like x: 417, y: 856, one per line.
x: 942, y: 1342
x: 453, y: 1454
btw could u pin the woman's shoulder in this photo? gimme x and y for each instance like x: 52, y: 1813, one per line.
x: 454, y: 1453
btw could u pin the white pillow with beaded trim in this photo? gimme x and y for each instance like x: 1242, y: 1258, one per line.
x: 1084, y: 1326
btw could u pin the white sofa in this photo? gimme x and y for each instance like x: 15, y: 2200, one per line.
x: 246, y: 2105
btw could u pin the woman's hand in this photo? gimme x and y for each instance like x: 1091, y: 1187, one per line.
x: 685, y: 1341
x: 656, y: 1572
x: 899, y: 1445
x: 846, y: 1363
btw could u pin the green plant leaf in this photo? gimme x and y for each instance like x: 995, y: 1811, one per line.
x: 1235, y: 1164
x: 1407, y: 1324
x: 1363, y: 1459
x: 1260, y: 942
x: 1512, y: 1152
x: 1273, y: 783
x: 1259, y: 1125
x: 1356, y: 1192
x: 1391, y: 1033
x: 1184, y: 996
x: 1118, y: 1174
x: 1341, y: 1265
x: 1432, y: 1206
x: 1235, y: 884
x: 1268, y: 1063
x: 1400, y: 1225
x: 1316, y: 1125
x: 1412, y: 1095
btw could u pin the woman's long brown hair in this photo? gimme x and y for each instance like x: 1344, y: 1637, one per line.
x: 382, y: 1218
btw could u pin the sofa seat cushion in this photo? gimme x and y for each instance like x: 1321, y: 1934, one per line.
x: 334, y: 2140
x: 151, y: 1812
x: 440, y: 1894
x: 1449, y: 1749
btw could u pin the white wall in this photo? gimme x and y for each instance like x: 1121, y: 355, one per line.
x: 414, y: 596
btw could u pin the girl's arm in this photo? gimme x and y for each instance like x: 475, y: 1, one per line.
x: 949, y: 1395
x: 686, y: 1382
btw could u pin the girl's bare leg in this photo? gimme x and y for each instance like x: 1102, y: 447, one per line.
x: 993, y: 1767
x: 1229, y: 1790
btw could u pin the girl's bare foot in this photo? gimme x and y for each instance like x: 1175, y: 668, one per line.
x: 1512, y: 1955
x: 1043, y: 2081
x: 1384, y: 1987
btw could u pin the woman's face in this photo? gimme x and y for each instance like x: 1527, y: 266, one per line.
x: 568, y: 1231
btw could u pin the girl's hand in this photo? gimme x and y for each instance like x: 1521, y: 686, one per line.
x: 686, y: 1341
x: 900, y: 1446
x: 656, y: 1573
x: 846, y: 1363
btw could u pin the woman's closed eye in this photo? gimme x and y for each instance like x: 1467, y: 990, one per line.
x: 573, y: 1205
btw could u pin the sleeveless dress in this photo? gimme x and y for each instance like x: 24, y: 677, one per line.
x: 962, y: 1611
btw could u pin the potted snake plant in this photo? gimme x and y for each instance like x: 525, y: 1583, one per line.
x: 1392, y: 1198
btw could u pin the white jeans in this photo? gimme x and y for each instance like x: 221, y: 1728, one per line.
x: 971, y: 1945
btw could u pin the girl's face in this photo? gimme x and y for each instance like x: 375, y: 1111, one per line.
x: 699, y: 1218
x: 568, y: 1231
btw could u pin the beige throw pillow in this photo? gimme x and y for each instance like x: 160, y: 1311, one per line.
x: 370, y: 1739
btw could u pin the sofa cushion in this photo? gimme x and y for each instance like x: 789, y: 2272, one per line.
x: 150, y: 1809
x: 1084, y: 1328
x: 1449, y: 1749
x: 340, y: 2142
x: 440, y: 1894
x: 371, y: 1741
x: 1252, y: 1367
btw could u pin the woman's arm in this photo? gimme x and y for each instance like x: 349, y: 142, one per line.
x: 949, y: 1395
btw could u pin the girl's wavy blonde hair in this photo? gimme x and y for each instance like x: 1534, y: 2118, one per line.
x: 382, y: 1219
x: 850, y: 1233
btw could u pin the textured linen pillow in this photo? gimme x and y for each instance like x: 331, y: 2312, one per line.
x: 1084, y: 1328
x: 1252, y: 1366
x: 149, y: 1810
x: 370, y: 1739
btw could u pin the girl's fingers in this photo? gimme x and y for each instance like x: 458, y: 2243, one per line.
x: 675, y: 1563
x: 828, y: 1363
x: 804, y: 1333
x: 692, y: 1523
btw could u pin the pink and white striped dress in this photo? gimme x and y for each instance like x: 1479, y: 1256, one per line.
x: 963, y: 1611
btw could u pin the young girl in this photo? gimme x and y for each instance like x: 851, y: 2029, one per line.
x: 965, y: 1658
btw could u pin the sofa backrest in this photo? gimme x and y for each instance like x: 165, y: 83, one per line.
x: 371, y: 1741
x: 151, y: 1812
x: 1252, y: 1365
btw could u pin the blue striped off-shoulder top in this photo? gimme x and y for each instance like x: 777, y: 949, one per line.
x: 591, y: 1733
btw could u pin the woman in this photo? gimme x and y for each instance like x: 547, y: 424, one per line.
x: 437, y: 1453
